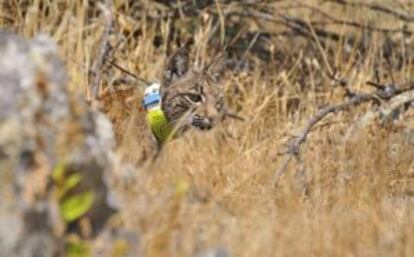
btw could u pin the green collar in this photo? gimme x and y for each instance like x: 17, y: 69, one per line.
x: 156, y: 118
x: 159, y: 124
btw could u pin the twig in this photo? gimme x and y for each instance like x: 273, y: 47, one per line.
x: 354, y: 24
x: 296, y: 24
x: 232, y: 115
x: 377, y: 7
x: 104, y: 47
x: 397, y: 102
x: 385, y: 112
x: 390, y: 90
x: 249, y: 47
x: 294, y: 148
x: 389, y: 93
x: 143, y: 81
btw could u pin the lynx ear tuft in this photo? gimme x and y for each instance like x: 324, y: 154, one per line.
x: 177, y: 66
x: 216, y: 68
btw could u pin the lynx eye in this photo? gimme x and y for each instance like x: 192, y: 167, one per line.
x: 194, y: 98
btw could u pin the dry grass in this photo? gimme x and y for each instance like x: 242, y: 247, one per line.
x: 214, y: 190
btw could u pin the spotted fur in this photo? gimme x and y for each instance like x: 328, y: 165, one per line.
x: 191, y: 97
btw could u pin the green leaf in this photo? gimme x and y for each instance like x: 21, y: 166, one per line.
x: 58, y: 172
x: 78, y: 248
x: 72, y: 181
x: 66, y: 185
x: 76, y: 206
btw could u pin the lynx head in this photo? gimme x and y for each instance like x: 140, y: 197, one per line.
x: 191, y: 97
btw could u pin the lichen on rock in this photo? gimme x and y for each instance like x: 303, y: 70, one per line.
x: 41, y: 132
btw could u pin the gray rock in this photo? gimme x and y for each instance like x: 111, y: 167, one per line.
x: 40, y: 129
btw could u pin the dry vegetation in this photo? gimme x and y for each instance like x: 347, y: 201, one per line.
x: 348, y: 188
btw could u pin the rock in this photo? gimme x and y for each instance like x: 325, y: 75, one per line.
x: 45, y: 130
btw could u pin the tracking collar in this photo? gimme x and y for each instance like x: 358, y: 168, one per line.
x: 156, y: 118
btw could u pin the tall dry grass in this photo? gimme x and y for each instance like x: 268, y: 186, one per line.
x: 212, y: 192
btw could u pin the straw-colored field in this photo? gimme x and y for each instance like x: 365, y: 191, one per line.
x: 350, y: 190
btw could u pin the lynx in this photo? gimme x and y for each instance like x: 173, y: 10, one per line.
x: 189, y: 97
x: 186, y: 97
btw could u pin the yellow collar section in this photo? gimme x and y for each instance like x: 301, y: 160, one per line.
x: 159, y: 124
x: 156, y: 118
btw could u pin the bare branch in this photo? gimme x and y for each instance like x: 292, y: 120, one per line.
x: 397, y: 102
x: 385, y: 112
x: 232, y: 115
x: 294, y: 148
x: 296, y: 24
x: 141, y: 80
x: 337, y: 21
x: 104, y: 48
x: 391, y: 97
x: 377, y: 7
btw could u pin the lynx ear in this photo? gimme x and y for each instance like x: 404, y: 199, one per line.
x: 177, y: 66
x: 216, y: 68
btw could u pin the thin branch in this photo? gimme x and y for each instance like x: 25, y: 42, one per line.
x: 104, y: 49
x: 294, y: 148
x: 396, y: 103
x: 296, y: 24
x: 337, y: 21
x: 385, y: 112
x: 391, y: 94
x: 233, y: 115
x: 377, y: 7
x: 143, y: 81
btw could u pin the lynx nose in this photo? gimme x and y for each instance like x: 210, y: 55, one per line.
x: 208, y: 123
x: 202, y: 122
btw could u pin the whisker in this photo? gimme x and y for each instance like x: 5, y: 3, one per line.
x: 233, y: 116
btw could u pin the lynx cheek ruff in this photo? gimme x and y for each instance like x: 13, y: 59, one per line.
x: 155, y: 116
